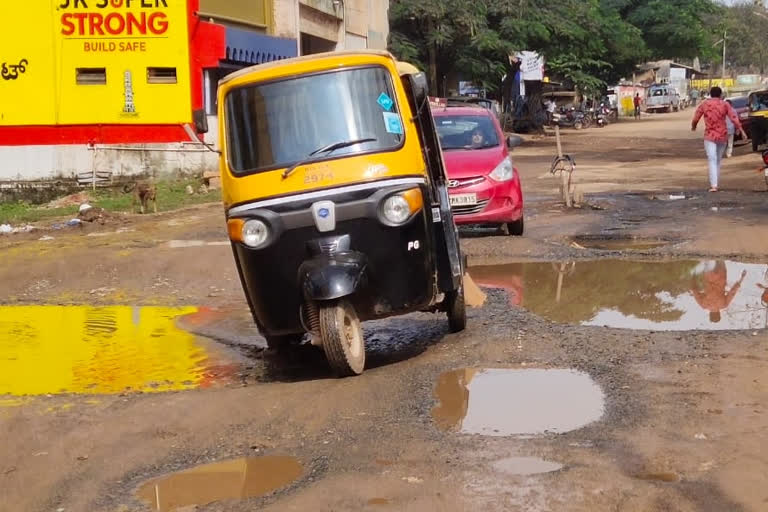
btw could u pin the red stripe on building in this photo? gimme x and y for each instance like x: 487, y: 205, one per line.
x: 91, y: 134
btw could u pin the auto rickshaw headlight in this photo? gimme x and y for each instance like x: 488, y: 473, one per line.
x: 400, y: 207
x: 255, y: 233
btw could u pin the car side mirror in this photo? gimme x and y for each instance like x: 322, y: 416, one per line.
x: 514, y: 141
x: 201, y: 121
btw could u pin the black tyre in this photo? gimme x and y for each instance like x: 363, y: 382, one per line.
x: 516, y: 228
x: 342, y: 337
x: 457, y: 309
x: 578, y: 125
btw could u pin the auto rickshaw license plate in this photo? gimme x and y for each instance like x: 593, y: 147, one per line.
x: 765, y: 171
x: 463, y: 199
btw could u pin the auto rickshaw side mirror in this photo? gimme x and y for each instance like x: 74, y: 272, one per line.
x: 514, y: 141
x: 420, y: 87
x: 201, y: 121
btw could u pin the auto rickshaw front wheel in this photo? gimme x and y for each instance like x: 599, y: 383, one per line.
x: 342, y: 338
x: 457, y: 309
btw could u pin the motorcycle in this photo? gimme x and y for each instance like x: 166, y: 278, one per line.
x: 571, y: 118
x: 601, y: 116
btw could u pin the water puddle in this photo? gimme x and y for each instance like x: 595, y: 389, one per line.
x: 230, y: 480
x: 497, y: 402
x: 658, y: 477
x: 616, y: 243
x: 670, y: 296
x: 526, y: 466
x: 104, y: 350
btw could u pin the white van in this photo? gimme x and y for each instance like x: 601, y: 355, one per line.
x: 662, y: 98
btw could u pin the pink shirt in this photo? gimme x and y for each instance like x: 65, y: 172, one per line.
x: 715, y: 110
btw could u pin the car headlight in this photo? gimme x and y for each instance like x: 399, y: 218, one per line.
x: 505, y: 171
x: 400, y: 207
x: 255, y: 232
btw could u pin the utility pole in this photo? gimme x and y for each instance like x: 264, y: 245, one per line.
x: 725, y: 38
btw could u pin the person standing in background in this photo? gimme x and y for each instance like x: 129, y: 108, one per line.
x: 637, y: 105
x: 694, y: 97
x: 715, y: 111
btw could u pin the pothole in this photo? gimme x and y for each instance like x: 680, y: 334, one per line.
x: 504, y: 402
x: 104, y: 350
x: 526, y: 466
x: 234, y: 479
x: 617, y: 243
x: 671, y: 295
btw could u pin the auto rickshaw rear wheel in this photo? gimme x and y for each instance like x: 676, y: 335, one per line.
x: 342, y: 338
x: 457, y: 309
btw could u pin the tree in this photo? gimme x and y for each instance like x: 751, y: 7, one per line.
x: 747, y: 25
x: 586, y: 42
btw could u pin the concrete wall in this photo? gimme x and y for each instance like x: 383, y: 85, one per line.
x: 41, y: 162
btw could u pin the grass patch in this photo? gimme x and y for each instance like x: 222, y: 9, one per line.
x: 171, y: 195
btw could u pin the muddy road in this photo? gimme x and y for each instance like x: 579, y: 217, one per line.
x: 618, y: 363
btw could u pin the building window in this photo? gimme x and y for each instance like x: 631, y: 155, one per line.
x: 161, y: 76
x: 91, y: 76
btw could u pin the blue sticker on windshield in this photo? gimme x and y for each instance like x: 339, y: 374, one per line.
x: 385, y: 101
x: 392, y: 123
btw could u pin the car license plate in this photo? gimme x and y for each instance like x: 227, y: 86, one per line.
x: 765, y: 171
x: 463, y: 199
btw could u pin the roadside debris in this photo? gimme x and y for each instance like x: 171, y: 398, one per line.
x: 70, y: 200
x: 7, y: 229
x: 90, y: 213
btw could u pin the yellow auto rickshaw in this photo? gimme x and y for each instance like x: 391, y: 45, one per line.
x: 336, y: 199
x: 758, y: 118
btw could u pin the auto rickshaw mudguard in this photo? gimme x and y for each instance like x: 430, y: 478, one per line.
x: 332, y: 276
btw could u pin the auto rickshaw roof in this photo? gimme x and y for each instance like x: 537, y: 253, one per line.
x: 326, y: 60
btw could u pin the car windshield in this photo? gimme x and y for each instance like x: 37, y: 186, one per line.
x: 760, y: 102
x: 466, y: 132
x: 276, y: 124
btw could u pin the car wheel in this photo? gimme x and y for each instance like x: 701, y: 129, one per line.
x: 516, y: 228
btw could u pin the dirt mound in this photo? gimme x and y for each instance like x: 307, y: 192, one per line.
x: 71, y: 200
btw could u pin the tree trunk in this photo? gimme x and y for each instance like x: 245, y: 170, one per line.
x: 432, y: 56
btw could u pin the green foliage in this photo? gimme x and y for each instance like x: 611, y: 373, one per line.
x: 747, y: 25
x: 586, y: 42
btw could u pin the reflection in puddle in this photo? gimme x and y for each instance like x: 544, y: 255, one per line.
x: 101, y: 350
x: 233, y: 479
x: 606, y: 243
x: 672, y: 295
x: 526, y: 466
x: 186, y: 244
x: 516, y: 402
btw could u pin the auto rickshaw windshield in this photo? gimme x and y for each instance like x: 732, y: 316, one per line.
x: 274, y: 125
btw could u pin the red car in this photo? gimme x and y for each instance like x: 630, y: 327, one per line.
x: 484, y: 186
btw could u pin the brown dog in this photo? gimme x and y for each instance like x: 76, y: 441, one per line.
x: 143, y: 193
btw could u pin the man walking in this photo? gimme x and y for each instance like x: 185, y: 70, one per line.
x: 715, y: 111
x: 637, y: 105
